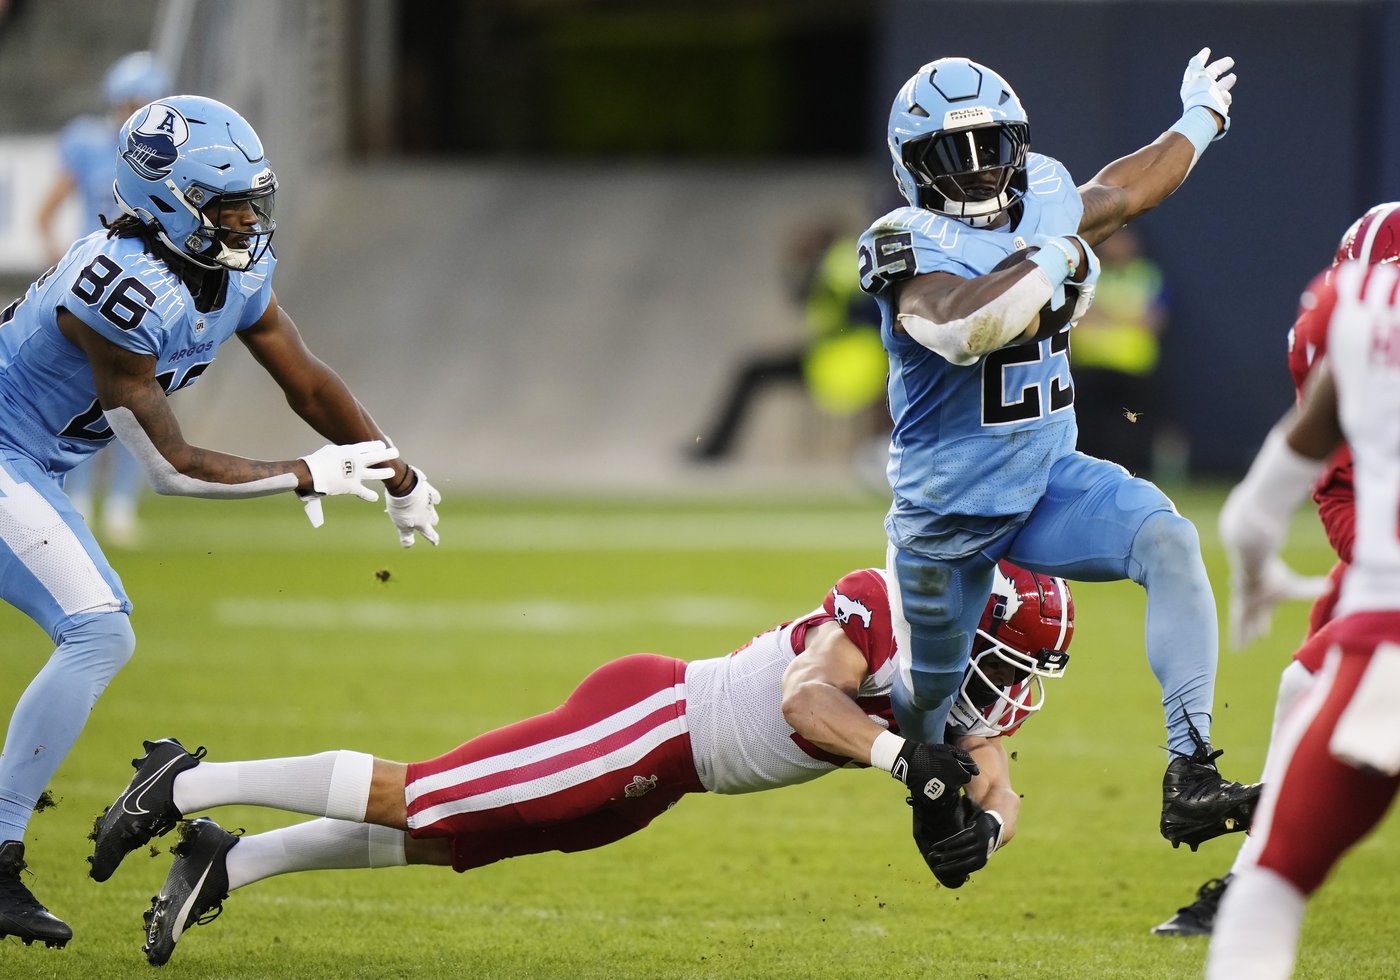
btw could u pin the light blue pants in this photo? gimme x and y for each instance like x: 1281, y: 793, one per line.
x: 1094, y: 523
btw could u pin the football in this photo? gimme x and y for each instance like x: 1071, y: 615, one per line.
x: 1051, y: 321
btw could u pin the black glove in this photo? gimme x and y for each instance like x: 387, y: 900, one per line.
x: 951, y: 860
x: 933, y: 773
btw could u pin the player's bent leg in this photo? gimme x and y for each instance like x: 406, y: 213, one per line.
x: 53, y: 709
x: 939, y: 604
x: 1095, y: 522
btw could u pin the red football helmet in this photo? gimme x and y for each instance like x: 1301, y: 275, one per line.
x: 1374, y: 237
x: 1022, y: 638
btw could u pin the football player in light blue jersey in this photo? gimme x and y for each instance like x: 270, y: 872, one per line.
x: 127, y: 316
x: 87, y: 152
x: 979, y: 280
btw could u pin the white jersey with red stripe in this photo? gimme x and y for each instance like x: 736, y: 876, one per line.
x: 739, y: 738
x: 1364, y: 354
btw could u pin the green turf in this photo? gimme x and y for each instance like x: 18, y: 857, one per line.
x: 258, y: 636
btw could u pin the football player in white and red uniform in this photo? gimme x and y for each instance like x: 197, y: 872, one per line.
x: 794, y: 703
x: 1341, y: 742
x: 1373, y: 238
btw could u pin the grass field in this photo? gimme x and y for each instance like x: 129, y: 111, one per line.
x: 258, y: 636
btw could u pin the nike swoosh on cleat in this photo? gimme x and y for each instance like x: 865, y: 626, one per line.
x: 178, y: 928
x: 142, y: 789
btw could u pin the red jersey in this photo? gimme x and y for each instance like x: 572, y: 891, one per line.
x: 1307, y: 342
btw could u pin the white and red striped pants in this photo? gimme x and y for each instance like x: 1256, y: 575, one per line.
x: 1319, y: 806
x: 601, y: 766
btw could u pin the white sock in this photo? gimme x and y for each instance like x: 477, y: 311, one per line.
x: 331, y: 784
x: 316, y: 845
x: 1256, y: 933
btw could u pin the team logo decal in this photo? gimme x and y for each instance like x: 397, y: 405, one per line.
x: 152, y: 147
x: 639, y: 786
x: 845, y: 607
x: 1008, y: 600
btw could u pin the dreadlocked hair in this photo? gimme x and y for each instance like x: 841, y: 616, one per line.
x: 126, y: 226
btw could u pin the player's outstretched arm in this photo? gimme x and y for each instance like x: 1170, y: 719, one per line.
x: 319, y: 395
x: 1138, y: 182
x: 134, y: 404
x: 1254, y: 520
x: 819, y: 695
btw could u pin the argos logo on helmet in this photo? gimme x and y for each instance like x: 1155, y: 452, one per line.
x: 152, y: 146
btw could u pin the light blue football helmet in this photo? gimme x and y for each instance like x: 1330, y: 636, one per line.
x: 959, y: 138
x: 187, y: 160
x: 136, y: 77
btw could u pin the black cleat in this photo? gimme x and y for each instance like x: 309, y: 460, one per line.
x: 1199, y: 804
x: 145, y: 809
x: 21, y: 914
x: 194, y: 890
x: 1198, y: 918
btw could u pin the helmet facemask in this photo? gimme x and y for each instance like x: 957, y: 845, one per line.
x: 240, y: 230
x: 972, y: 175
x: 1003, y: 686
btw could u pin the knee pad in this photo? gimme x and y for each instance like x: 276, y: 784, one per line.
x: 1165, y: 541
x: 103, y: 643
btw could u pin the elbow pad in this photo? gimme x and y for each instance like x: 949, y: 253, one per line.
x: 168, y: 481
x: 963, y: 341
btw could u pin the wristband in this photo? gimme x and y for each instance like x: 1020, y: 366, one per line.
x: 1000, y: 825
x: 884, y: 751
x: 1057, y: 258
x: 1198, y: 125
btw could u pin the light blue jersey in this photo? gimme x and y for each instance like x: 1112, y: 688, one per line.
x: 48, y: 402
x: 977, y: 440
x: 88, y: 149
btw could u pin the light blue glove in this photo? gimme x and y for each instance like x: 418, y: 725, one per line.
x: 1208, y: 86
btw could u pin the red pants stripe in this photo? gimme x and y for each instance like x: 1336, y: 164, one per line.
x: 601, y: 766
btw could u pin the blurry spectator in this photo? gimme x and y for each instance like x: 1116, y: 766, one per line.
x: 841, y: 362
x: 87, y: 149
x: 1114, y: 351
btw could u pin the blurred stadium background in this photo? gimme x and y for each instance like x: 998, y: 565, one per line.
x: 538, y: 235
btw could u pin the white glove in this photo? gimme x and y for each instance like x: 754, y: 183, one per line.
x: 1203, y: 85
x: 1252, y: 599
x: 415, y: 510
x: 344, y: 469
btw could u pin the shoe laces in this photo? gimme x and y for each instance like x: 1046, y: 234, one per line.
x: 1203, y: 754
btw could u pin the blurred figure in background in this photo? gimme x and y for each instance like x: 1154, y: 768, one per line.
x: 841, y: 362
x: 1373, y: 238
x: 1113, y: 352
x: 87, y: 150
x: 1338, y: 748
